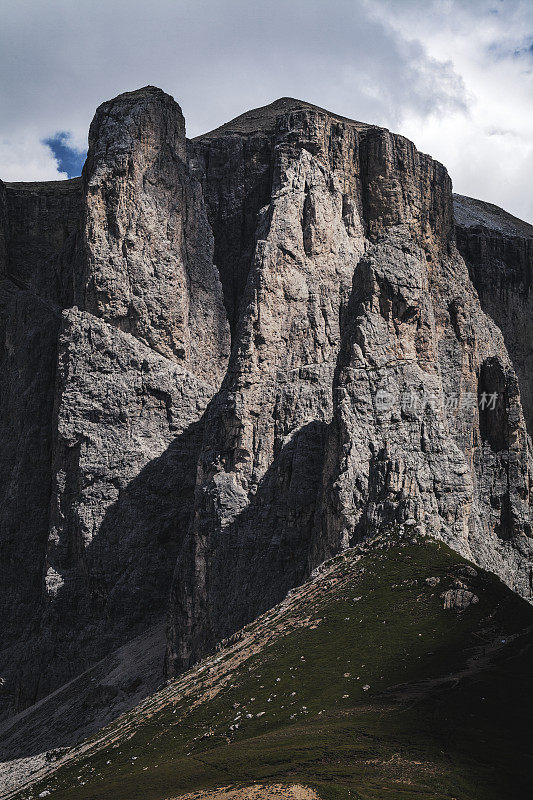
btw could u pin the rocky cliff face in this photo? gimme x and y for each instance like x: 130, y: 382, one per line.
x: 357, y: 391
x: 114, y: 340
x: 147, y: 248
x: 37, y: 220
x: 136, y: 369
x: 498, y: 250
x: 365, y: 387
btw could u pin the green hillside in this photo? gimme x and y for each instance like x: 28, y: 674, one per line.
x: 360, y: 685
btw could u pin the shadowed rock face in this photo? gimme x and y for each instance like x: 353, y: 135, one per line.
x: 114, y: 338
x: 498, y: 250
x: 36, y: 220
x: 41, y: 217
x: 365, y: 385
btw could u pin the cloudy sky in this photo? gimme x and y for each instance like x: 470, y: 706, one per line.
x: 456, y: 76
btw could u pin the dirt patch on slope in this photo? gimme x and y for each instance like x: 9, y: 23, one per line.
x: 257, y: 792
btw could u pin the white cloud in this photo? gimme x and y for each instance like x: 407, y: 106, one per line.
x: 60, y: 59
x: 489, y: 151
x: 26, y: 159
x: 431, y: 71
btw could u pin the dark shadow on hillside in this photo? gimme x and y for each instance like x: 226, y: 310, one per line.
x: 256, y: 559
x: 264, y: 554
x: 118, y: 590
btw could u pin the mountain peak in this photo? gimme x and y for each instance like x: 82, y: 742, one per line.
x: 263, y: 119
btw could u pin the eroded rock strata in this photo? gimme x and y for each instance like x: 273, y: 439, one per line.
x: 366, y: 386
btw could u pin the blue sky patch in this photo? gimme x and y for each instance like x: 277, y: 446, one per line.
x: 69, y: 159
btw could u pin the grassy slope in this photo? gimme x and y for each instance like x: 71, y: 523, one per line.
x: 420, y: 731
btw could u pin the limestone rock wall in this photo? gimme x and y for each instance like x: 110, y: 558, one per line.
x: 498, y: 250
x: 35, y: 222
x: 114, y: 339
x: 355, y: 296
x: 147, y: 246
x: 235, y: 173
x: 413, y: 442
x: 260, y: 467
x: 41, y: 218
x: 28, y: 335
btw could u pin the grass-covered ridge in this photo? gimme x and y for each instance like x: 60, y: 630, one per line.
x: 359, y: 685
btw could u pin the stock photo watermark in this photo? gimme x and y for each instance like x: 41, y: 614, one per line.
x: 414, y: 402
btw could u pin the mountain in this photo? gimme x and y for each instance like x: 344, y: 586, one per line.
x: 359, y: 354
x: 225, y: 361
x: 359, y: 684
